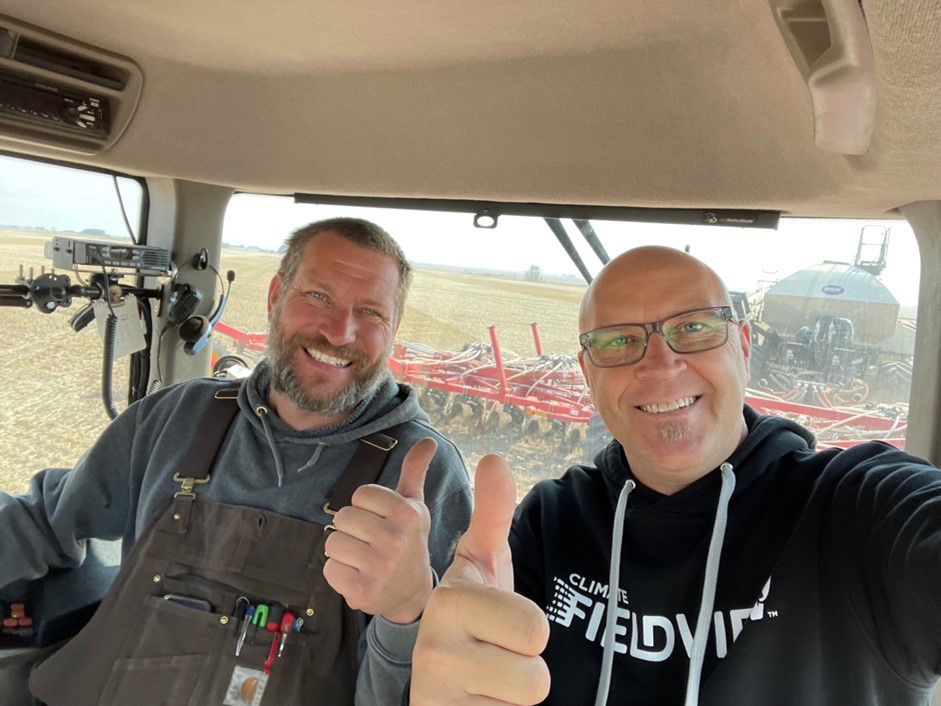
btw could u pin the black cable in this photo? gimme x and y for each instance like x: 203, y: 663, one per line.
x: 107, y: 394
x: 140, y: 360
x: 219, y: 275
x: 127, y: 223
x: 105, y: 283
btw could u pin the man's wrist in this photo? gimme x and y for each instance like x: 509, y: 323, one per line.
x: 413, y: 613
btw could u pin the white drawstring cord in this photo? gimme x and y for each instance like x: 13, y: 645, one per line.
x: 698, y: 653
x: 610, y: 620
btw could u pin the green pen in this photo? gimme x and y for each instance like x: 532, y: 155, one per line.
x: 261, y: 615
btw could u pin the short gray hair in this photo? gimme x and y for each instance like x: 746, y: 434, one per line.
x: 359, y: 231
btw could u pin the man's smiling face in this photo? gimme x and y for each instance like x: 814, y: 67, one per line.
x: 678, y: 416
x: 332, y: 328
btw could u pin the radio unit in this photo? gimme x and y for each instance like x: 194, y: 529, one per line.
x: 71, y: 253
x: 41, y: 102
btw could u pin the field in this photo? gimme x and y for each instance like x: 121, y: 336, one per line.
x: 50, y: 376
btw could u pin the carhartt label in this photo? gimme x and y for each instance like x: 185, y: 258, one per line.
x: 246, y: 687
x: 579, y: 603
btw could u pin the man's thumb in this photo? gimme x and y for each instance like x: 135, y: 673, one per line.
x: 485, y: 543
x: 414, y: 467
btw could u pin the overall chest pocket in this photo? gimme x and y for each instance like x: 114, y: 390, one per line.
x: 183, y: 655
x: 164, y: 662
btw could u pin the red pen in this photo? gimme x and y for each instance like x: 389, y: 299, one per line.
x: 287, y: 624
x: 277, y: 645
x: 272, y: 654
x: 272, y: 625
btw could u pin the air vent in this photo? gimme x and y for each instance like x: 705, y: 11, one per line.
x: 59, y: 93
x: 6, y: 42
x: 67, y: 64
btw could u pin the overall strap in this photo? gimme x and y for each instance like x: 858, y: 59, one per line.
x: 205, y: 447
x: 364, y: 468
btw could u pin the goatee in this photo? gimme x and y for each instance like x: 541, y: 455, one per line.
x: 674, y: 431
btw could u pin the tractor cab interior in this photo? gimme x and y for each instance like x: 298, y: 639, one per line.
x: 154, y: 158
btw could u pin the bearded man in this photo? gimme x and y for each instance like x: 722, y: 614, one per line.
x: 314, y: 492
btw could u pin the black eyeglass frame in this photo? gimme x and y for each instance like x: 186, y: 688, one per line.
x: 657, y: 327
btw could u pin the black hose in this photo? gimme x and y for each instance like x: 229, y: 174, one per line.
x: 107, y: 363
x: 140, y: 361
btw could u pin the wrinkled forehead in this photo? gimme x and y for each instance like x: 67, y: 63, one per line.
x: 341, y: 266
x: 643, y: 291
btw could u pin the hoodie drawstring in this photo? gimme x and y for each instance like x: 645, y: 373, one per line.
x: 610, y: 620
x: 262, y: 412
x: 698, y: 653
x: 701, y: 637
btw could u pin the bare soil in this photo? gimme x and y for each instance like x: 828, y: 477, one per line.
x: 50, y: 376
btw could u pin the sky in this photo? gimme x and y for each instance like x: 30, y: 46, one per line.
x: 743, y: 257
x: 58, y: 198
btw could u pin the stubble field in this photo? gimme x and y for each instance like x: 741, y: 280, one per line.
x: 50, y: 376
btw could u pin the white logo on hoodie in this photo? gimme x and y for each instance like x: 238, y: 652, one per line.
x: 652, y: 637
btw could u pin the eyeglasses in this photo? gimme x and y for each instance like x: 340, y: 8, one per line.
x: 691, y: 331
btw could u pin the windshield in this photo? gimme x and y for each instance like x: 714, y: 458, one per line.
x: 489, y: 338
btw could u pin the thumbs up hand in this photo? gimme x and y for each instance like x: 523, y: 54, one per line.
x: 479, y: 642
x: 378, y: 555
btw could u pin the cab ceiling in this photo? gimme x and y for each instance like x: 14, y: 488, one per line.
x: 626, y: 102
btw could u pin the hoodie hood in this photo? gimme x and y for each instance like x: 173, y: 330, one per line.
x: 391, y: 403
x: 764, y: 444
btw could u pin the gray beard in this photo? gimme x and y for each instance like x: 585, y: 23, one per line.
x: 284, y: 378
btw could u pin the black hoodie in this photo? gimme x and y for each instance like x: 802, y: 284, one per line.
x: 829, y: 583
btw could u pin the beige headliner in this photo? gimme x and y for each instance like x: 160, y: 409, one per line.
x: 617, y: 102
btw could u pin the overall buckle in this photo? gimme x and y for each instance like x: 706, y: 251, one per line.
x: 187, y: 485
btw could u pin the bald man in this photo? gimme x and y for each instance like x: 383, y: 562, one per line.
x: 710, y: 556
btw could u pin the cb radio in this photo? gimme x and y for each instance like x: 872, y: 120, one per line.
x: 73, y: 253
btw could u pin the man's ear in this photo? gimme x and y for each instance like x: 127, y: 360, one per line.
x: 744, y: 335
x: 274, y: 291
x: 583, y: 363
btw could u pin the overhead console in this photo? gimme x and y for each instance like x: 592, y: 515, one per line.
x: 59, y: 93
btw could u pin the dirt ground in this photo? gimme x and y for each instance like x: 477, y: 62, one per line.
x: 50, y: 376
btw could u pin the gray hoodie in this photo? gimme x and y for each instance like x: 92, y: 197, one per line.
x: 117, y: 486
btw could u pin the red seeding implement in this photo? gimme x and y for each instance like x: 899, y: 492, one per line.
x: 545, y: 396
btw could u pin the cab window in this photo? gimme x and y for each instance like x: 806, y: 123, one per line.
x: 50, y: 374
x: 489, y: 336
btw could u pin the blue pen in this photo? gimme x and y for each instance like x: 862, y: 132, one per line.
x: 245, y: 621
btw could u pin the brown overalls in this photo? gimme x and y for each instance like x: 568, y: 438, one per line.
x: 140, y: 648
